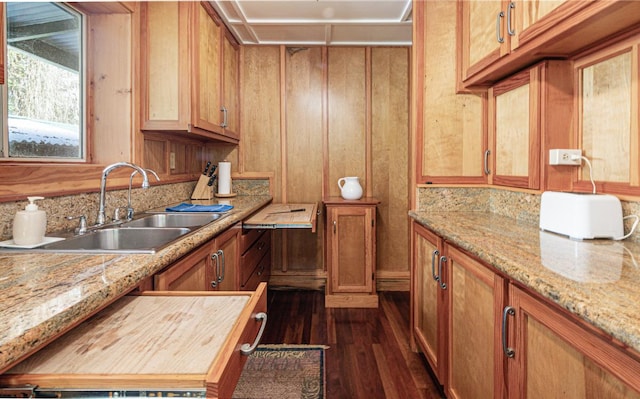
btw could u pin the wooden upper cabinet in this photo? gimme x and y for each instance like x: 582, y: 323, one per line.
x: 530, y: 113
x: 491, y: 31
x: 183, y: 71
x: 607, y: 118
x: 230, y: 81
x: 450, y: 127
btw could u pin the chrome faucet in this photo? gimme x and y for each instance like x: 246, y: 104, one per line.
x: 129, y: 207
x: 103, y: 186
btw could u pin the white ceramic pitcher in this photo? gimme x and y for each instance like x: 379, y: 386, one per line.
x: 350, y: 188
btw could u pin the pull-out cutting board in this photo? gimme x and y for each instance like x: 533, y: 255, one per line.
x: 279, y: 216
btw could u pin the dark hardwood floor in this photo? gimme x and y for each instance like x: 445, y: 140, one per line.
x: 369, y: 355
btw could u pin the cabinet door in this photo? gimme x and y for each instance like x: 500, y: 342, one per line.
x: 351, y: 248
x: 226, y: 260
x: 164, y: 68
x: 192, y: 273
x: 483, y: 25
x: 514, y: 131
x: 429, y: 322
x: 476, y: 298
x: 527, y: 16
x: 547, y: 363
x: 206, y: 70
x: 230, y: 79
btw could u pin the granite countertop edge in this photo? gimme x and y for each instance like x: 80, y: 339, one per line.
x: 47, y: 294
x: 513, y: 248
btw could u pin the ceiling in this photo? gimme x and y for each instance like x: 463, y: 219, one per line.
x: 318, y: 22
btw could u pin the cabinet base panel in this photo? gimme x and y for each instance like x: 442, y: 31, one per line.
x: 351, y: 301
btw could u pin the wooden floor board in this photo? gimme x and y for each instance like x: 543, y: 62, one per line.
x: 369, y: 356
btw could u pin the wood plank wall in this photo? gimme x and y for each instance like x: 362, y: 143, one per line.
x: 313, y: 115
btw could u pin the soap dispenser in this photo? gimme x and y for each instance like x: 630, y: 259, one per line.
x: 30, y: 225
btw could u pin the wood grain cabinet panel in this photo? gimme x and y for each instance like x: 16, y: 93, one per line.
x: 451, y: 136
x: 214, y: 266
x: 189, y: 72
x: 351, y: 252
x: 429, y: 300
x: 607, y: 118
x: 476, y: 298
x: 584, y: 364
x: 531, y: 30
x: 529, y: 114
x: 504, y: 341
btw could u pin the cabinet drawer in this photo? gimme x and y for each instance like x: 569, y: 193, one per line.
x: 260, y: 273
x: 135, y: 339
x: 250, y: 259
x: 248, y: 237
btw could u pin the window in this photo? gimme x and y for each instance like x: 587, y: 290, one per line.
x: 43, y: 95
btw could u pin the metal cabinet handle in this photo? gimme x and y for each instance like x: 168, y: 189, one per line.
x: 247, y: 349
x: 434, y: 255
x: 214, y: 282
x: 261, y: 245
x: 508, y: 311
x: 334, y: 226
x: 225, y: 117
x: 511, y: 32
x: 222, y: 266
x: 487, y: 171
x: 443, y: 285
x: 498, y: 24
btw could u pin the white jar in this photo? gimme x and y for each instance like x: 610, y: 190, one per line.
x: 30, y: 225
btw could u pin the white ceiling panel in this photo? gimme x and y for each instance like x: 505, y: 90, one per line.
x: 318, y: 22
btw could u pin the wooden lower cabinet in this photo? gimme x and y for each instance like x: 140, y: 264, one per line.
x: 213, y: 266
x: 556, y: 357
x: 350, y: 237
x: 476, y: 298
x: 429, y: 299
x: 191, y: 273
x: 554, y: 354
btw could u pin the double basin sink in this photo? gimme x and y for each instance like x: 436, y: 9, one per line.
x: 147, y: 234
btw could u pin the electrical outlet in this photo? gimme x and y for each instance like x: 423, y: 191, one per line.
x: 172, y: 160
x: 565, y: 157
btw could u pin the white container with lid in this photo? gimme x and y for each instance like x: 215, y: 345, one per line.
x: 30, y: 225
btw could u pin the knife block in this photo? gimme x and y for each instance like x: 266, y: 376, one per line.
x: 202, y: 191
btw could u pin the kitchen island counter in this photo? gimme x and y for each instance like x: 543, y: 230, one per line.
x: 46, y: 294
x: 596, y: 280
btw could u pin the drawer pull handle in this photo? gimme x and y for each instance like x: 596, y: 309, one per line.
x: 434, y: 255
x: 508, y: 311
x: 261, y: 245
x: 443, y: 285
x: 247, y: 349
x: 499, y: 37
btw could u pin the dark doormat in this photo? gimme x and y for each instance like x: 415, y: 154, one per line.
x: 283, y: 372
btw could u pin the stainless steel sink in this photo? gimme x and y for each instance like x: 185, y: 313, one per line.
x: 119, y: 240
x: 175, y: 220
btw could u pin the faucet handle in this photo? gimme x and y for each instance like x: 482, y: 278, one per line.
x: 82, y: 228
x: 116, y: 213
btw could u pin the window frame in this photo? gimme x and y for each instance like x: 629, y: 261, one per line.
x: 83, y: 66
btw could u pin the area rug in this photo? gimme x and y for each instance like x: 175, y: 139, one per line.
x: 283, y: 372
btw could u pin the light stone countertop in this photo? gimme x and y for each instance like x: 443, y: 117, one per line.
x: 596, y: 280
x: 46, y: 294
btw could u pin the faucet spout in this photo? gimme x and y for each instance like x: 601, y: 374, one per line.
x: 129, y: 206
x: 103, y: 185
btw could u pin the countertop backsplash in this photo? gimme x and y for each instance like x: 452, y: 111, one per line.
x: 513, y: 204
x: 58, y: 208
